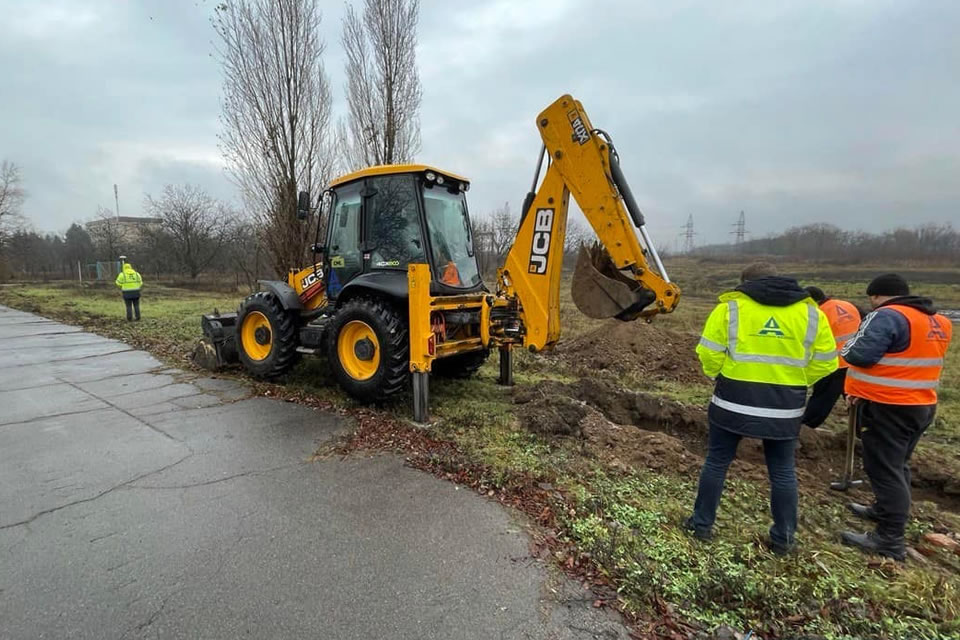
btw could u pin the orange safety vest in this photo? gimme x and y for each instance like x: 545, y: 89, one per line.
x: 451, y: 275
x: 910, y: 376
x: 844, y: 321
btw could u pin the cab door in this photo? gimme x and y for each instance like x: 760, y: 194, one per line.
x: 345, y: 259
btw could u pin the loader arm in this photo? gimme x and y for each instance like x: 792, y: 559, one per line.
x: 581, y: 161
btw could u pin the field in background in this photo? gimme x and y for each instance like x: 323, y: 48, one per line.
x: 621, y: 477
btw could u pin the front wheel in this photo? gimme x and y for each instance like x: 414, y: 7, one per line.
x: 369, y: 350
x: 266, y: 336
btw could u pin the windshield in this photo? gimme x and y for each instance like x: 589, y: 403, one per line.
x: 451, y: 239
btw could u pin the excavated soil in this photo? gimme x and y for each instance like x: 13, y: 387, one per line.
x: 633, y: 347
x: 635, y: 429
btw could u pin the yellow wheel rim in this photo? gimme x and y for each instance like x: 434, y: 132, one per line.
x: 256, y: 334
x: 358, y: 350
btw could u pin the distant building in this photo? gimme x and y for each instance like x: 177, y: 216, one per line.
x: 124, y: 229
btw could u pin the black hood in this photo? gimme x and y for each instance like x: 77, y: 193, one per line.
x: 776, y: 291
x: 917, y: 302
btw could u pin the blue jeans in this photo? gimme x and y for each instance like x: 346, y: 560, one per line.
x: 779, y: 454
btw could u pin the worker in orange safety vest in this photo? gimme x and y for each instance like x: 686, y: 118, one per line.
x: 895, y: 361
x: 844, y: 320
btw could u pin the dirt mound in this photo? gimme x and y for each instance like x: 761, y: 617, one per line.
x: 551, y: 414
x: 626, y: 445
x: 644, y: 410
x: 936, y: 470
x: 633, y: 347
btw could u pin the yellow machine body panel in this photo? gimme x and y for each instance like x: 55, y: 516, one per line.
x: 308, y: 283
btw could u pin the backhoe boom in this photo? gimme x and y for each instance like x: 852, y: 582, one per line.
x: 581, y: 161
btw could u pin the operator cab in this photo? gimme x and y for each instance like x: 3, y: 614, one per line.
x: 381, y: 219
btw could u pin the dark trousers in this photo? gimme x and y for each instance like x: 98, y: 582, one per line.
x: 826, y: 391
x: 779, y: 454
x: 133, y: 304
x: 890, y: 434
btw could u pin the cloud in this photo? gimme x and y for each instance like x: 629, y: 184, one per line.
x: 792, y: 111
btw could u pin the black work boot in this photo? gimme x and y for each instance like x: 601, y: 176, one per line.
x: 700, y: 533
x: 888, y: 546
x: 862, y: 511
x: 778, y: 548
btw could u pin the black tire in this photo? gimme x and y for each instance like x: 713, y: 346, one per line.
x: 283, y: 337
x: 461, y: 366
x: 392, y: 373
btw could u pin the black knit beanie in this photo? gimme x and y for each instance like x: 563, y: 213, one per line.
x: 889, y: 284
x: 817, y: 294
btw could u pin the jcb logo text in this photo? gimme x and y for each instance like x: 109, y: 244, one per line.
x: 542, y: 232
x: 580, y: 133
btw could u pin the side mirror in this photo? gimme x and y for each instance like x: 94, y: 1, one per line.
x: 303, y: 205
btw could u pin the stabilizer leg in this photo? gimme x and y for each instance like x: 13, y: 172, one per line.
x: 506, y: 366
x: 421, y: 396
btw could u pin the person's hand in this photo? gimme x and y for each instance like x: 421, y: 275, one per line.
x: 853, y: 401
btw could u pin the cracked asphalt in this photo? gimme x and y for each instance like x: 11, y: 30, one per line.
x: 139, y: 501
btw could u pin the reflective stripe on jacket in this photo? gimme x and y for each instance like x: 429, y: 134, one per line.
x: 911, y: 376
x: 844, y: 321
x: 128, y: 279
x: 764, y: 357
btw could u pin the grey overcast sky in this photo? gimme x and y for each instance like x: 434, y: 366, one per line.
x: 839, y: 111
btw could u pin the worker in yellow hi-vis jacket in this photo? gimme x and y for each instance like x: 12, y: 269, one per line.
x: 764, y: 344
x: 130, y: 284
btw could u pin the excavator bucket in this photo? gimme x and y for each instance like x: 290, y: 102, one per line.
x: 600, y: 290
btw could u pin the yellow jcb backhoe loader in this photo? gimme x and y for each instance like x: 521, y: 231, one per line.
x: 395, y: 291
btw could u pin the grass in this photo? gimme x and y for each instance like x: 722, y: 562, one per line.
x: 625, y: 521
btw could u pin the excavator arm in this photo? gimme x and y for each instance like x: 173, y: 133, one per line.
x: 615, y: 278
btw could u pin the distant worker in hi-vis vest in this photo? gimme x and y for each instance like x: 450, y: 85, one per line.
x: 895, y: 363
x: 130, y: 284
x: 764, y: 344
x: 844, y: 320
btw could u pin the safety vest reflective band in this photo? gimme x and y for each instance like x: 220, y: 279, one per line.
x: 844, y: 320
x: 909, y: 377
x: 759, y: 412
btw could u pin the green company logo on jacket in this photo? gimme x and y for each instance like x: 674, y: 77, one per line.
x: 771, y: 329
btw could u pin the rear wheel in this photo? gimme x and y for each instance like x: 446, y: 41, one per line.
x: 266, y: 336
x: 462, y: 365
x: 369, y: 350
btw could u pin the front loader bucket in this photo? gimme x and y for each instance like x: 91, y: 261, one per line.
x: 218, y: 347
x: 600, y: 291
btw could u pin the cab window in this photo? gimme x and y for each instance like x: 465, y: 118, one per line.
x: 393, y: 223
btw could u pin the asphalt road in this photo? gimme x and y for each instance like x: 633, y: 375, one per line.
x: 138, y: 501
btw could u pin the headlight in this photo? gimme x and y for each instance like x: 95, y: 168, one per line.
x: 430, y: 176
x: 439, y: 179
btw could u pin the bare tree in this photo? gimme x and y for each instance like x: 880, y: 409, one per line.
x: 504, y: 230
x: 383, y: 84
x: 243, y: 249
x: 195, y: 222
x: 577, y: 233
x: 12, y: 196
x: 107, y: 234
x: 276, y: 114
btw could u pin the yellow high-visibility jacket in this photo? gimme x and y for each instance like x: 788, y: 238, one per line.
x: 128, y: 279
x: 763, y: 357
